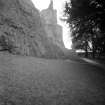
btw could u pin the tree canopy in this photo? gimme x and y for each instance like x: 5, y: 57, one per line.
x: 86, y: 19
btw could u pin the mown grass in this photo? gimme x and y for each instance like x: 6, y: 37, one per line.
x: 34, y: 81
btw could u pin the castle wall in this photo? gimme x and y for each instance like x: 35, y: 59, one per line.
x: 53, y: 30
x: 49, y: 16
x: 21, y: 24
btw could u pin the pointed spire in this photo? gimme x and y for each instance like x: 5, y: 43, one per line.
x: 51, y: 4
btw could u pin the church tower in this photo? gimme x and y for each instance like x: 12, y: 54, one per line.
x: 51, y: 5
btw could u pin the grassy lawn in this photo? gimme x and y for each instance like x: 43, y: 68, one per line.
x: 36, y: 81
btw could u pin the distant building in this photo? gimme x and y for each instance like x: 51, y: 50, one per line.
x: 53, y: 30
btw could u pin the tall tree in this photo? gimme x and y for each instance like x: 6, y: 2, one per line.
x: 85, y: 18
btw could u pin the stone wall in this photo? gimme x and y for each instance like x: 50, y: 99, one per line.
x: 20, y: 21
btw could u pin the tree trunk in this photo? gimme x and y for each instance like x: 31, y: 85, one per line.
x: 86, y: 49
x: 86, y: 53
x: 94, y: 51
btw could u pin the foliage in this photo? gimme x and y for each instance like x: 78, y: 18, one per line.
x: 87, y: 23
x: 6, y: 44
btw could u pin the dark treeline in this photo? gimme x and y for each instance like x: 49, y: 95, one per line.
x: 86, y: 19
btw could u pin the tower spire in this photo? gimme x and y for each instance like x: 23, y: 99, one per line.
x: 51, y: 4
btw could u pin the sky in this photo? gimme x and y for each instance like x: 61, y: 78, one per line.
x: 59, y: 5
